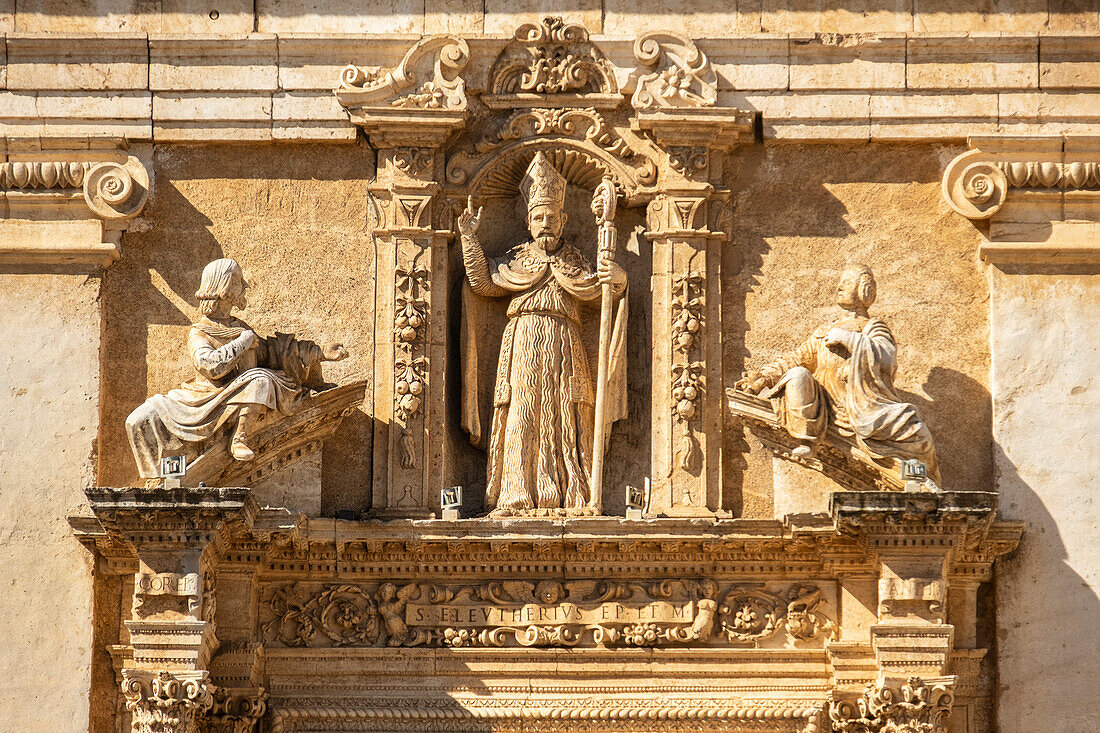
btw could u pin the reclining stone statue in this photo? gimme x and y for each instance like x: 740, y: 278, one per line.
x: 240, y: 378
x: 843, y: 375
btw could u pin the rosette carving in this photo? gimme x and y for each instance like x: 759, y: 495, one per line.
x: 428, y: 77
x: 344, y: 615
x: 677, y: 73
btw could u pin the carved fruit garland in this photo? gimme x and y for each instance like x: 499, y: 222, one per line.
x: 687, y: 378
x: 410, y: 371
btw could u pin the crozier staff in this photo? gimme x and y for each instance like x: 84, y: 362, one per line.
x: 543, y: 423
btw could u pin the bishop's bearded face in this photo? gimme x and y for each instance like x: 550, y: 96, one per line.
x: 546, y: 223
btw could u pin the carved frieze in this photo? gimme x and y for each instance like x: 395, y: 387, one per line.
x: 540, y: 614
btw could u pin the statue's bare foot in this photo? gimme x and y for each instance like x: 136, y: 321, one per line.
x: 802, y: 451
x: 240, y: 451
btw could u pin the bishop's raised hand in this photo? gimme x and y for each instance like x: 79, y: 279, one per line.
x: 469, y: 220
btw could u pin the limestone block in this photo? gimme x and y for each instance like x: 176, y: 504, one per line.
x: 111, y: 61
x: 453, y: 16
x: 134, y: 16
x: 1074, y: 16
x: 18, y: 116
x: 3, y: 63
x: 695, y: 18
x: 296, y: 487
x: 752, y: 63
x: 932, y: 116
x: 1049, y: 113
x: 799, y: 490
x: 246, y: 63
x: 7, y: 16
x: 948, y: 16
x: 337, y: 16
x: 807, y: 116
x: 94, y: 114
x: 834, y: 61
x: 315, y: 62
x: 973, y: 61
x: 1070, y: 62
x: 309, y: 116
x: 502, y: 17
x: 833, y: 16
x: 50, y: 410
x: 1043, y: 332
x: 198, y: 116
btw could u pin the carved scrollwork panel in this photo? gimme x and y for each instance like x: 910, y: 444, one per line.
x: 522, y: 613
x: 910, y: 707
x: 551, y: 58
x: 677, y: 73
x: 429, y: 77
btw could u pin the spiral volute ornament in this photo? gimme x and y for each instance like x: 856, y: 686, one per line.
x: 116, y: 190
x: 974, y: 186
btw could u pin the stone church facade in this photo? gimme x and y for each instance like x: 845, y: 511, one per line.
x: 484, y: 367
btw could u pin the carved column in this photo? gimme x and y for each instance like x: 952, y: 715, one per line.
x: 689, y: 225
x: 408, y: 125
x: 170, y: 629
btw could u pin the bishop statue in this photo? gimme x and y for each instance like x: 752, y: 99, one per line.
x: 540, y: 443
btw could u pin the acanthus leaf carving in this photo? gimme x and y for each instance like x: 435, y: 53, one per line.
x: 166, y: 702
x: 677, y: 73
x: 752, y: 614
x: 235, y: 710
x: 551, y: 58
x: 427, y: 77
x: 911, y: 707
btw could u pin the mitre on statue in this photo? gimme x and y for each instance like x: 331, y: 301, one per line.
x: 542, y: 184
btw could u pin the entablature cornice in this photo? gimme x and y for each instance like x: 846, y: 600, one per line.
x: 1040, y: 196
x: 68, y: 206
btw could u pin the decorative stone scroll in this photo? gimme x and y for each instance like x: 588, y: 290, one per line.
x: 68, y: 207
x: 539, y: 614
x: 915, y: 706
x: 235, y: 710
x: 551, y: 63
x: 677, y: 73
x: 428, y: 77
x: 1041, y: 197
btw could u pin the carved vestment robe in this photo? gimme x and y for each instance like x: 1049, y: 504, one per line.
x: 855, y: 391
x: 540, y: 442
x: 271, y: 375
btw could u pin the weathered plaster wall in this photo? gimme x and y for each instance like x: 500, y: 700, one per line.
x: 1045, y: 394
x: 295, y: 218
x: 49, y: 415
x: 803, y: 212
x: 498, y: 16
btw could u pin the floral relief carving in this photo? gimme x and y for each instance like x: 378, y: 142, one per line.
x: 551, y: 57
x: 677, y: 73
x: 750, y: 614
x: 547, y: 613
x: 911, y: 707
x: 688, y: 160
x: 235, y: 710
x: 581, y: 124
x: 413, y: 161
x: 165, y: 702
x: 687, y: 387
x: 428, y: 77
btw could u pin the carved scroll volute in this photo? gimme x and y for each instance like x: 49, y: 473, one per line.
x: 428, y: 77
x: 975, y: 186
x: 675, y: 73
